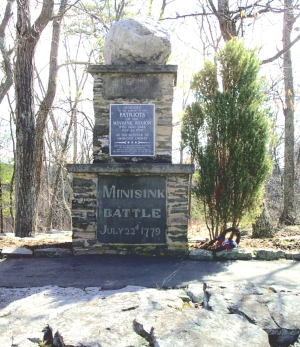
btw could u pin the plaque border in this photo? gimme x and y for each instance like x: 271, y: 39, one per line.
x: 154, y: 134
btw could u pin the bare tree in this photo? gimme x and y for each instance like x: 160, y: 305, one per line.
x: 46, y: 103
x: 7, y: 81
x: 28, y: 35
x: 288, y: 215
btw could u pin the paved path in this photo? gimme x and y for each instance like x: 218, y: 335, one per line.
x: 115, y: 272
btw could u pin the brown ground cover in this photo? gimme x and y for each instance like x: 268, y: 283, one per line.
x: 285, y: 239
x: 33, y: 243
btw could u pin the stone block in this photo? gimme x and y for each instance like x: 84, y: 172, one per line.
x: 293, y: 255
x: 16, y: 252
x: 52, y: 252
x: 236, y: 254
x: 76, y: 243
x: 269, y: 254
x: 201, y: 254
x: 84, y: 235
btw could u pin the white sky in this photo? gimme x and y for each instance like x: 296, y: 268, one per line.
x: 264, y: 34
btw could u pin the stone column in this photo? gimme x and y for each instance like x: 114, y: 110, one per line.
x: 137, y: 202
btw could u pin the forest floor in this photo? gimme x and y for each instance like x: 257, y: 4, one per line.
x: 287, y: 238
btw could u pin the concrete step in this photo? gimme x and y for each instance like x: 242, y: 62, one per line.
x: 16, y: 252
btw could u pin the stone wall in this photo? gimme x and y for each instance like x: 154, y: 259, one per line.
x: 133, y: 84
x: 86, y: 200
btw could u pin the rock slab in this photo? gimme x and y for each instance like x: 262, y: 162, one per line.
x: 137, y: 316
x: 132, y: 41
x: 16, y: 252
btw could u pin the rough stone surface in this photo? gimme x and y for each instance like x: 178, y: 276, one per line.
x: 269, y: 254
x: 52, y: 252
x: 84, y: 221
x: 201, y: 254
x: 117, y: 84
x: 141, y: 42
x: 92, y: 317
x: 16, y: 252
x: 293, y: 255
x: 236, y: 254
x: 271, y: 308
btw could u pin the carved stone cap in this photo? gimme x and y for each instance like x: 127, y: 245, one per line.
x: 132, y: 68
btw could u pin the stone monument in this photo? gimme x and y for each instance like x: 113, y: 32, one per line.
x: 132, y: 199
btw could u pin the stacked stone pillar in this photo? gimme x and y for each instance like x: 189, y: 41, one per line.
x: 135, y: 202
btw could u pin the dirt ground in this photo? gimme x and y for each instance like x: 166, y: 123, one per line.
x: 34, y: 243
x: 287, y: 238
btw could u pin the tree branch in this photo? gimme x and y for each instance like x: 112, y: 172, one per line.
x: 285, y: 49
x: 44, y: 17
x: 8, y: 81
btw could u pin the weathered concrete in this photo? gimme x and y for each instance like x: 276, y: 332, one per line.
x: 16, y: 252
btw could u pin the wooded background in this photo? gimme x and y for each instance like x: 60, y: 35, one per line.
x: 46, y: 116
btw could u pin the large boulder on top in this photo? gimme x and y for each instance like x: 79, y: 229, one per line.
x: 131, y: 41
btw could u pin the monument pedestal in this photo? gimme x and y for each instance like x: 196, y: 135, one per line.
x: 136, y: 208
x: 132, y: 199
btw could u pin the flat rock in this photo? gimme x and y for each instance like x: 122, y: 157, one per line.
x: 137, y: 316
x: 52, y: 252
x: 16, y: 252
x: 199, y: 327
x: 293, y: 255
x: 269, y: 254
x: 93, y: 318
x: 274, y: 313
x: 201, y: 254
x: 132, y: 41
x: 236, y: 254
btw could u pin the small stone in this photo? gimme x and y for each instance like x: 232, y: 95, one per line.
x: 195, y: 292
x: 130, y: 41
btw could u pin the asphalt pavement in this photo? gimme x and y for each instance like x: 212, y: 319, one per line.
x: 115, y: 272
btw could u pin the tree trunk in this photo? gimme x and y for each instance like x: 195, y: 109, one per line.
x: 226, y: 22
x: 1, y: 206
x: 47, y: 102
x: 7, y: 81
x: 288, y: 215
x: 25, y: 135
x: 27, y: 38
